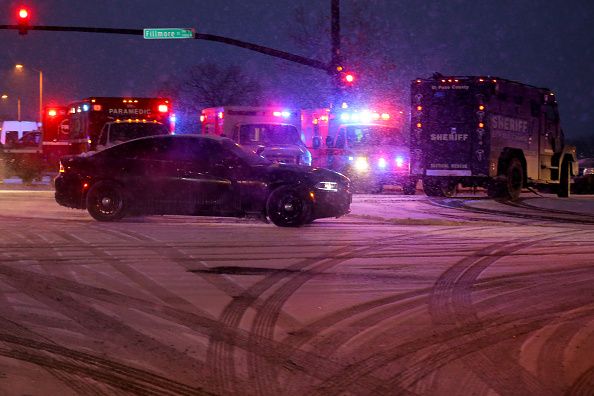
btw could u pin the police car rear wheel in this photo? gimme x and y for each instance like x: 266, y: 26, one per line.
x: 106, y: 202
x: 288, y: 207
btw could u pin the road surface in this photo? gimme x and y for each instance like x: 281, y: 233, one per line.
x: 406, y: 295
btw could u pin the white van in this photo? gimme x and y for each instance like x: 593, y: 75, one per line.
x: 13, y: 131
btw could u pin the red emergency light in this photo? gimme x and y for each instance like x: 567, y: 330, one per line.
x: 52, y: 112
x: 163, y: 108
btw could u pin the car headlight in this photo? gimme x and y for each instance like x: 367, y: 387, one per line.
x: 327, y: 186
x: 588, y: 171
x: 361, y: 164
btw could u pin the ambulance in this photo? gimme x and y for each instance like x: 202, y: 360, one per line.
x: 271, y: 132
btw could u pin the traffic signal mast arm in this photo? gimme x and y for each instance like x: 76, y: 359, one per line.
x: 199, y: 36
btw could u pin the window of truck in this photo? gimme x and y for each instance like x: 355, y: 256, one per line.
x: 373, y: 136
x: 268, y: 134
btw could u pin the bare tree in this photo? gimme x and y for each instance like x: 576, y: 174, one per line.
x: 208, y: 85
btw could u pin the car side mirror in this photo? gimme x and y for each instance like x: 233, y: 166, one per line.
x: 316, y: 143
x: 329, y: 141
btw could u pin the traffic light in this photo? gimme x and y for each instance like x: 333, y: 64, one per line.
x: 348, y: 78
x: 345, y: 79
x: 23, y: 18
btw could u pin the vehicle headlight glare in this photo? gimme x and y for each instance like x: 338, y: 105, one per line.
x: 327, y: 186
x: 382, y: 163
x: 399, y: 161
x: 361, y: 164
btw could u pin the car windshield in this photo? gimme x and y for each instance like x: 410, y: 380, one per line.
x: 250, y: 158
x: 366, y: 136
x: 269, y: 134
x: 128, y: 131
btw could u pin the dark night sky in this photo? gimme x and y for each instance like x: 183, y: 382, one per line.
x: 545, y: 43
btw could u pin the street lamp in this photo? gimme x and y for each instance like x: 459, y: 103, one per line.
x: 20, y: 67
x: 5, y: 97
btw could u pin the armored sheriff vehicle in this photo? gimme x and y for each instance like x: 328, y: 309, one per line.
x: 488, y: 132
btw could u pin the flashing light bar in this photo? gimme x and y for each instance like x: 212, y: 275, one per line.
x: 284, y: 114
x: 364, y: 116
x: 163, y: 108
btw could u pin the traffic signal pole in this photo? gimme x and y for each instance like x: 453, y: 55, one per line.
x: 335, y: 62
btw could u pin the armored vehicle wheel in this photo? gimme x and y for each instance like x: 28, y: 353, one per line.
x: 106, y: 201
x: 565, y: 180
x: 287, y: 207
x: 514, y: 180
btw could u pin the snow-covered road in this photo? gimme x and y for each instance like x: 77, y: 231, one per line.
x: 405, y: 295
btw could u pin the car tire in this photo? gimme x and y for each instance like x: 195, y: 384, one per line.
x: 106, y: 201
x: 288, y: 207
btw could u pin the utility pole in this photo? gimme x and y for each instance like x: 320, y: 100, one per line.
x: 336, y: 61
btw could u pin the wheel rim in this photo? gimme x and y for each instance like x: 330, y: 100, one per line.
x: 289, y: 208
x: 108, y: 202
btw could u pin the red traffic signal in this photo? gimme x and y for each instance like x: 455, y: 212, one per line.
x: 23, y: 18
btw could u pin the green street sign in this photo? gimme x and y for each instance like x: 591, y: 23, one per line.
x: 168, y: 33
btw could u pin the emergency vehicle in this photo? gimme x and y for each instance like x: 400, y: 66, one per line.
x: 75, y: 129
x: 271, y: 132
x: 489, y: 132
x: 87, y: 117
x: 20, y: 149
x: 371, y: 148
x: 56, y: 142
x: 314, y: 132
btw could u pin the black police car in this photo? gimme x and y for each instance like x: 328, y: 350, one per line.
x: 197, y: 175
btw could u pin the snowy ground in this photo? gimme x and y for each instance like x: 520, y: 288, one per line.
x: 405, y: 295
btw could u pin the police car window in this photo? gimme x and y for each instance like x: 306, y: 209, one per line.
x: 144, y: 149
x: 197, y: 153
